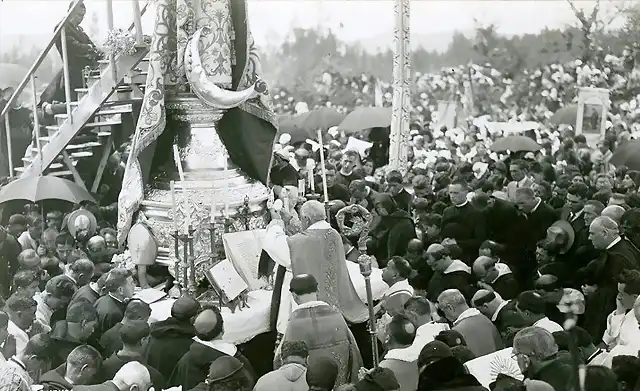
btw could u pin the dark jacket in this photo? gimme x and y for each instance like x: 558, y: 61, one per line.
x: 63, y: 343
x: 110, y: 341
x: 555, y: 371
x: 466, y: 225
x: 456, y: 276
x: 170, y: 340
x: 112, y: 365
x: 604, y: 272
x: 393, y: 232
x: 110, y: 312
x: 448, y: 374
x: 193, y: 367
x: 403, y: 199
x: 507, y: 286
x: 9, y: 251
x: 87, y: 293
x: 54, y: 381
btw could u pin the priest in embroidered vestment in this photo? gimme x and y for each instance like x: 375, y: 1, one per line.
x: 323, y: 330
x: 317, y: 251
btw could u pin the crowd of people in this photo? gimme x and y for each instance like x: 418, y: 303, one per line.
x: 531, y: 252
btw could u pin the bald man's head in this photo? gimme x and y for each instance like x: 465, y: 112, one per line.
x: 481, y: 265
x: 614, y: 212
x: 132, y: 374
x: 209, y: 324
x: 602, y: 232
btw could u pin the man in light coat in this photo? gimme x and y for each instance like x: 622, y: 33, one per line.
x: 480, y: 333
x: 291, y: 376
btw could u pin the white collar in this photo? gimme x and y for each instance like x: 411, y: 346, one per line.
x: 468, y: 313
x: 457, y: 266
x: 18, y: 362
x: 115, y: 298
x: 463, y: 204
x: 615, y: 241
x: 574, y: 216
x: 69, y: 276
x: 322, y: 224
x: 500, y: 306
x: 537, y: 205
x: 594, y: 355
x: 221, y: 346
x: 400, y: 286
x: 502, y: 269
x: 94, y: 287
x: 398, y: 354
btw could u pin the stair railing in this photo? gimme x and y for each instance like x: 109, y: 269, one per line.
x: 30, y: 76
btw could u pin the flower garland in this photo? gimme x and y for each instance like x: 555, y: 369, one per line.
x: 119, y: 42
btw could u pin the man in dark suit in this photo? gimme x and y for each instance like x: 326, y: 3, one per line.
x: 601, y: 275
x: 576, y: 198
x: 172, y: 337
x: 110, y: 307
x: 538, y: 218
x: 465, y: 221
x: 395, y: 187
x: 500, y: 217
x: 362, y: 194
x: 9, y: 251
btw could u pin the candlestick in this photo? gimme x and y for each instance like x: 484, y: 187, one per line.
x: 226, y: 209
x: 185, y: 260
x: 323, y: 169
x: 173, y: 207
x: 187, y: 212
x: 213, y: 207
x: 301, y: 187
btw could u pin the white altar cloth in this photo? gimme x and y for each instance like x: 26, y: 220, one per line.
x: 242, y: 326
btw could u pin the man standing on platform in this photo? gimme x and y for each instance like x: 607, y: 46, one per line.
x: 317, y: 251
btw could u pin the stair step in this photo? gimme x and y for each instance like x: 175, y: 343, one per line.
x: 61, y: 173
x: 142, y: 66
x: 135, y: 78
x: 122, y: 95
x: 107, y: 112
x: 99, y: 117
x: 104, y: 134
x: 72, y: 147
x: 81, y: 154
x: 54, y: 128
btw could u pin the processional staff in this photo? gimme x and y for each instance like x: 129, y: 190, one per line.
x: 323, y: 172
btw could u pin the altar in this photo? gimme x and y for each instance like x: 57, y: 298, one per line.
x: 243, y: 325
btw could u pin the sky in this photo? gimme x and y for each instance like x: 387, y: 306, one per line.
x: 352, y: 20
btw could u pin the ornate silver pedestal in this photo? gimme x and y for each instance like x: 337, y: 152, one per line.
x: 206, y: 171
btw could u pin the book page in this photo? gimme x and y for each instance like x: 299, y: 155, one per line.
x: 243, y: 250
x: 149, y: 295
x: 226, y: 279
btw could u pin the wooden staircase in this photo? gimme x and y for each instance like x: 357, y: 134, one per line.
x: 95, y: 117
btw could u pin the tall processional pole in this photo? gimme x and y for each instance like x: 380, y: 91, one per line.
x: 400, y: 117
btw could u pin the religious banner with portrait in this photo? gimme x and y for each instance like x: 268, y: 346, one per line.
x: 591, y: 116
